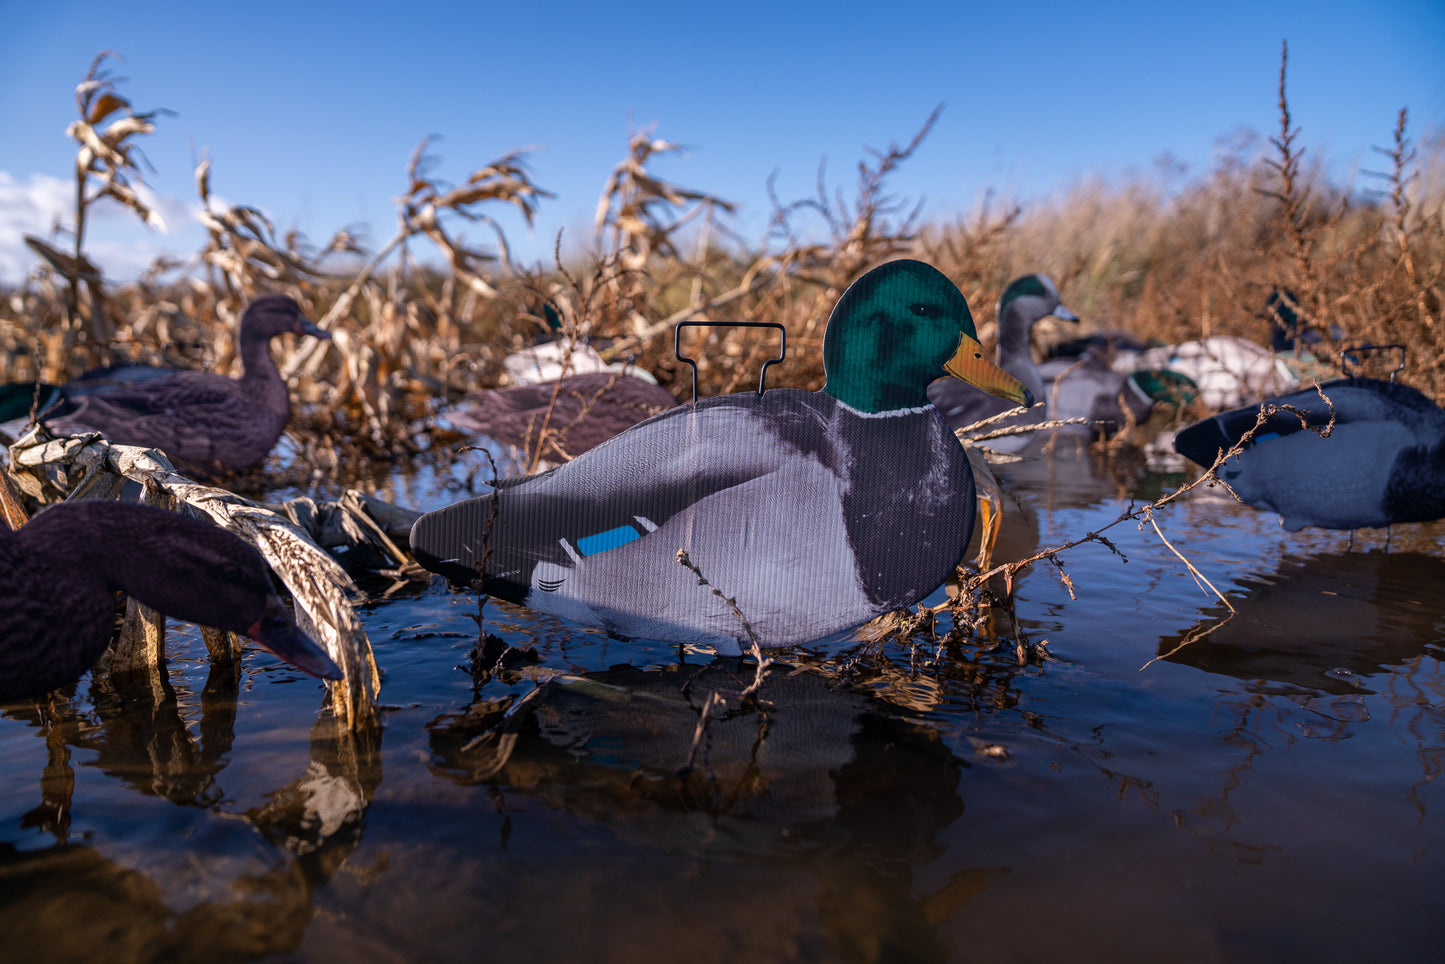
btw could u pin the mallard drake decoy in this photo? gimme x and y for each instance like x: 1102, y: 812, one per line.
x: 1088, y: 388
x: 1383, y: 462
x: 811, y: 512
x: 1228, y: 371
x: 60, y: 570
x: 205, y: 423
x: 1024, y: 302
x: 577, y: 413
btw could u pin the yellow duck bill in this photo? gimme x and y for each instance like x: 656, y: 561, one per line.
x: 969, y: 364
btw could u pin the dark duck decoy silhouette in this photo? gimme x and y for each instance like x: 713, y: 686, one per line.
x: 578, y: 412
x: 206, y: 424
x: 811, y: 512
x: 1023, y: 303
x: 60, y: 570
x: 18, y: 399
x: 1383, y: 462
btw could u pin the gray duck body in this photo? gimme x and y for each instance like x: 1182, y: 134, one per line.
x: 1383, y: 462
x: 806, y: 525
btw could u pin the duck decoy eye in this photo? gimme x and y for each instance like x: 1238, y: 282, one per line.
x: 921, y: 310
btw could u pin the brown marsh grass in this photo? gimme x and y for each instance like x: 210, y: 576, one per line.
x: 429, y: 315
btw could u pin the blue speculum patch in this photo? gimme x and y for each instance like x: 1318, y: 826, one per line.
x: 602, y: 541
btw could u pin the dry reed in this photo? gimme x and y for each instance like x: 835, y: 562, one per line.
x: 1157, y: 258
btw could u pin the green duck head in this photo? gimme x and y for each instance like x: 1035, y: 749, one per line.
x: 1036, y: 295
x: 896, y: 329
x: 1163, y: 385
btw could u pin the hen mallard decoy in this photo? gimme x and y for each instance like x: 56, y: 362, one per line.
x: 565, y: 417
x: 59, y: 573
x: 1383, y: 462
x: 811, y: 512
x: 19, y: 399
x: 206, y: 424
x: 1024, y: 302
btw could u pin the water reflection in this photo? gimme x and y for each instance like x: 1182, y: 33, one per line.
x: 1321, y: 645
x: 820, y: 779
x: 74, y: 900
x: 1326, y: 623
x: 919, y: 799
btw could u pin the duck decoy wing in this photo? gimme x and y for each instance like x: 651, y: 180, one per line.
x: 626, y: 488
x: 172, y: 396
x: 1351, y: 402
x: 98, y: 410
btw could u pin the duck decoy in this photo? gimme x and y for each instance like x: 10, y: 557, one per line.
x: 1383, y: 462
x: 1088, y: 388
x: 19, y: 399
x: 555, y: 356
x: 60, y: 570
x: 100, y: 381
x: 784, y: 515
x: 207, y: 424
x: 1025, y: 301
x: 566, y: 417
x: 1228, y: 371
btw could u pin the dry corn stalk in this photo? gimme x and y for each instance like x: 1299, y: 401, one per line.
x: 420, y: 212
x: 638, y: 210
x: 73, y: 467
x: 107, y: 157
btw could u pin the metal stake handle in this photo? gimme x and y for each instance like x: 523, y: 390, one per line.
x: 762, y: 379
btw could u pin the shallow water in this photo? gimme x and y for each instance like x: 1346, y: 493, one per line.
x: 1162, y: 783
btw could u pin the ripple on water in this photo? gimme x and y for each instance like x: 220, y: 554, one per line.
x: 1264, y: 770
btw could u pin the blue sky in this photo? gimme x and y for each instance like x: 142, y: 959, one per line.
x: 310, y: 110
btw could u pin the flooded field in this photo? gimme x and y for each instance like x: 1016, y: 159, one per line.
x: 1160, y: 783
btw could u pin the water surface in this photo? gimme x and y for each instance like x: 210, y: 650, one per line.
x: 1153, y: 780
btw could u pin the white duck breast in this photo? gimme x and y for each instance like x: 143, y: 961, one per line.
x: 550, y: 361
x: 1382, y: 463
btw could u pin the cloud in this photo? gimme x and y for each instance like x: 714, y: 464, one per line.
x: 30, y: 208
x: 116, y: 240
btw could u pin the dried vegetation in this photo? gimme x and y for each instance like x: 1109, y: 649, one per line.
x: 430, y: 314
